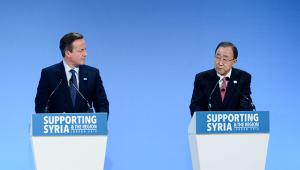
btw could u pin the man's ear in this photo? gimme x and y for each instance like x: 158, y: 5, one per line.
x: 235, y: 61
x: 67, y: 53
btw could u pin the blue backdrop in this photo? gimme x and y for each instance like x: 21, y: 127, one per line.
x: 148, y: 52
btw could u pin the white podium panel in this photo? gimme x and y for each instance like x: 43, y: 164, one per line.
x: 74, y: 145
x: 69, y: 152
x: 228, y: 148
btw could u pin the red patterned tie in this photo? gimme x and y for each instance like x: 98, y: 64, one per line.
x: 223, y: 88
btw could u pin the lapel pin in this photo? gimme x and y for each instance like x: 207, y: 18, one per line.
x: 84, y: 78
x: 234, y: 82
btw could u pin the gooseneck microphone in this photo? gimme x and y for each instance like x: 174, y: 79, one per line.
x: 250, y: 101
x: 209, y: 99
x: 90, y: 110
x: 245, y: 97
x: 56, y: 87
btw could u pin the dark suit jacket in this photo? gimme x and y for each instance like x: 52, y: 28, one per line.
x: 90, y: 85
x: 235, y: 97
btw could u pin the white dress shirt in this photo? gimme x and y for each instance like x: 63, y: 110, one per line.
x: 221, y: 77
x: 69, y: 74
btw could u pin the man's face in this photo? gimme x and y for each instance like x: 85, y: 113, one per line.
x: 224, y: 60
x: 77, y: 55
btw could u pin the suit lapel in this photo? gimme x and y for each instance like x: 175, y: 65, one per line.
x: 216, y: 96
x: 83, y: 79
x: 65, y: 86
x: 229, y: 89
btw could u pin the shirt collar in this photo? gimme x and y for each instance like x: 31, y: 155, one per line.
x: 227, y: 75
x: 68, y: 68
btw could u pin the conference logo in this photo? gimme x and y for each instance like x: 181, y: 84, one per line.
x: 233, y: 122
x: 69, y: 124
x: 230, y: 122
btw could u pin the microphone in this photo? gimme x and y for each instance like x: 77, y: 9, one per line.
x: 209, y: 99
x: 90, y: 110
x: 250, y: 101
x: 245, y: 97
x: 47, y: 104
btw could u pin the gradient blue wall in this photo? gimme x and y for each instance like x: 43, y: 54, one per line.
x: 148, y: 52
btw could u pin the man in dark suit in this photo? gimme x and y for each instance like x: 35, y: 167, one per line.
x: 223, y: 88
x: 70, y: 86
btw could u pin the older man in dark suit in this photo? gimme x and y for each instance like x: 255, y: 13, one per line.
x: 71, y: 86
x: 223, y: 88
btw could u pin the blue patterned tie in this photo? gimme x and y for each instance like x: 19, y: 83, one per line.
x: 73, y: 91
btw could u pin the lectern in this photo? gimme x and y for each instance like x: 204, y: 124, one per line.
x: 229, y: 140
x: 69, y: 141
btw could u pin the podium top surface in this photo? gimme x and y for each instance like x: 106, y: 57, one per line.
x: 229, y: 122
x: 69, y: 124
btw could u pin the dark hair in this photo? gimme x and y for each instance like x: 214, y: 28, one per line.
x: 228, y: 44
x: 66, y: 41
